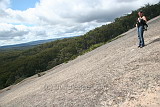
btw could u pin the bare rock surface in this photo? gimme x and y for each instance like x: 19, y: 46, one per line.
x: 117, y: 74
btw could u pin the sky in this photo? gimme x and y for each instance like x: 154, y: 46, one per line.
x: 22, y: 4
x: 29, y: 20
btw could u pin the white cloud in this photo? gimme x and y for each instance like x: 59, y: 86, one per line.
x: 57, y: 18
x: 4, y: 4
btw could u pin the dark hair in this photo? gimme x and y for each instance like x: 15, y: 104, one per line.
x: 141, y: 11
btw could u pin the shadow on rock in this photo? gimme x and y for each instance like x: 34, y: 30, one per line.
x: 156, y: 40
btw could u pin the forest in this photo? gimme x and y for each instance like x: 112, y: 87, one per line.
x: 16, y: 65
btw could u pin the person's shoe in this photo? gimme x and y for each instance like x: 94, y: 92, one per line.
x: 139, y: 46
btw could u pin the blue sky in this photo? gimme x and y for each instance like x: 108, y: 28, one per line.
x: 23, y: 4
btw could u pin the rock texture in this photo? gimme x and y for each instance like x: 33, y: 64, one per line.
x: 117, y: 74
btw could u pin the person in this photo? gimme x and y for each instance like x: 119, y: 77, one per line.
x: 141, y: 22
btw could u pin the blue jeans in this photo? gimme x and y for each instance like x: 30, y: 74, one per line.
x: 140, y: 36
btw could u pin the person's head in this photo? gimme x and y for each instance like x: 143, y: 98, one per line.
x: 140, y: 13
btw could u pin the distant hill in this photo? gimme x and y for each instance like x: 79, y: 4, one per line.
x: 29, y: 44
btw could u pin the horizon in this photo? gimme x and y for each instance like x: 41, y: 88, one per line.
x: 39, y: 40
x: 34, y: 20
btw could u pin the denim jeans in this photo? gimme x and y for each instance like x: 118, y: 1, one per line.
x: 140, y: 36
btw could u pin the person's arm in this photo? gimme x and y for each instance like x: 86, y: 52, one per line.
x: 137, y: 22
x: 144, y: 18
